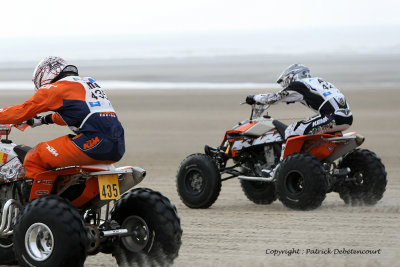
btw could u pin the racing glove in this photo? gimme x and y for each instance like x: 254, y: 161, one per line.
x: 268, y: 99
x: 250, y: 100
x: 40, y: 120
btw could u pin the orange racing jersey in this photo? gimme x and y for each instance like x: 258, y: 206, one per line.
x: 81, y: 104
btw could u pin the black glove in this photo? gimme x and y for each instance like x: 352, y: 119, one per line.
x: 250, y: 100
x: 39, y: 120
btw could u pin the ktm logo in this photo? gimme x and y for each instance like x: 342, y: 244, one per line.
x: 91, y: 143
x: 52, y: 150
x: 320, y: 121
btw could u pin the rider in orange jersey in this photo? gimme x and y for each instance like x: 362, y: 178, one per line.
x: 78, y: 102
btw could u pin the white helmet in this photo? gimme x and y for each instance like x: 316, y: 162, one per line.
x: 292, y: 73
x: 47, y: 69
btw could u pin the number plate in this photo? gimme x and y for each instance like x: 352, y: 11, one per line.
x: 108, y: 186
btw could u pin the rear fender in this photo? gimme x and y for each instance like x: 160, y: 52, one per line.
x: 128, y: 177
x: 63, y: 178
x: 344, y: 145
x: 325, y: 147
x: 313, y: 144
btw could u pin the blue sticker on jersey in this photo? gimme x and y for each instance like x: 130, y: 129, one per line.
x: 327, y: 93
x: 95, y: 104
x: 91, y: 80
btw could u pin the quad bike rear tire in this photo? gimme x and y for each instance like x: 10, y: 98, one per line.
x: 259, y: 192
x: 157, y: 224
x: 301, y: 182
x: 198, y: 181
x: 370, y: 178
x: 50, y: 232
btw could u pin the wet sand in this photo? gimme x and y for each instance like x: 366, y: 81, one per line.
x: 163, y: 127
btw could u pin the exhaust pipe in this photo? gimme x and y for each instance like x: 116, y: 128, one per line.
x: 10, y: 211
x: 256, y: 179
x: 129, y: 180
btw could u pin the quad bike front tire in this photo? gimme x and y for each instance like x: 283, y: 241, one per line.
x: 369, y: 178
x: 50, y: 232
x: 301, y: 182
x: 7, y: 256
x: 259, y: 192
x: 198, y: 181
x: 155, y: 226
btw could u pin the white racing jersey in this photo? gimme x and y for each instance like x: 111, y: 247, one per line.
x: 316, y: 93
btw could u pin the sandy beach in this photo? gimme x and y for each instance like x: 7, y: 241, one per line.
x: 163, y: 127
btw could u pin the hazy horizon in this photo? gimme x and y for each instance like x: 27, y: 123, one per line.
x: 329, y: 41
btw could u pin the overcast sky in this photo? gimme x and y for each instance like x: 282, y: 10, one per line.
x: 92, y: 17
x: 97, y: 29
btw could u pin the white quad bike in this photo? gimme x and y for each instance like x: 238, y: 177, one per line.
x: 312, y: 166
x: 57, y: 219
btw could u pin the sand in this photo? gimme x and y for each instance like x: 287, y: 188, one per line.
x: 163, y: 127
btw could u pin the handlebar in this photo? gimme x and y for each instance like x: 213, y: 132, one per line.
x: 257, y: 110
x: 5, y: 129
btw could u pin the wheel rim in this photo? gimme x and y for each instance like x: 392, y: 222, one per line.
x: 194, y: 182
x: 39, y: 241
x: 359, y: 178
x: 295, y: 182
x: 140, y: 234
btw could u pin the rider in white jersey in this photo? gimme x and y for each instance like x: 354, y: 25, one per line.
x: 334, y: 113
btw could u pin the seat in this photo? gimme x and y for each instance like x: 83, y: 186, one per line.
x: 280, y: 127
x: 21, y: 151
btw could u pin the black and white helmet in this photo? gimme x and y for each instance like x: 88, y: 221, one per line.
x: 50, y: 69
x: 292, y: 73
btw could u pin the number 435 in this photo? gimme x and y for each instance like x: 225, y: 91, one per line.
x: 110, y: 191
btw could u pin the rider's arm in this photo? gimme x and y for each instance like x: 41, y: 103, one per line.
x: 57, y: 119
x: 43, y: 100
x: 285, y: 95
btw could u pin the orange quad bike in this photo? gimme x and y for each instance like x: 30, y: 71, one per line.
x: 312, y: 165
x: 68, y: 213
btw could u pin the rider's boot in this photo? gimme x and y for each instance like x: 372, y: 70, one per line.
x: 270, y: 173
x: 282, y: 151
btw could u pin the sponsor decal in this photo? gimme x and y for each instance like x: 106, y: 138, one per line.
x: 341, y: 101
x: 42, y: 192
x: 95, y: 104
x: 3, y: 157
x: 107, y: 114
x: 10, y: 170
x: 52, y: 150
x: 327, y: 93
x: 45, y: 182
x: 91, y: 143
x: 320, y: 121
